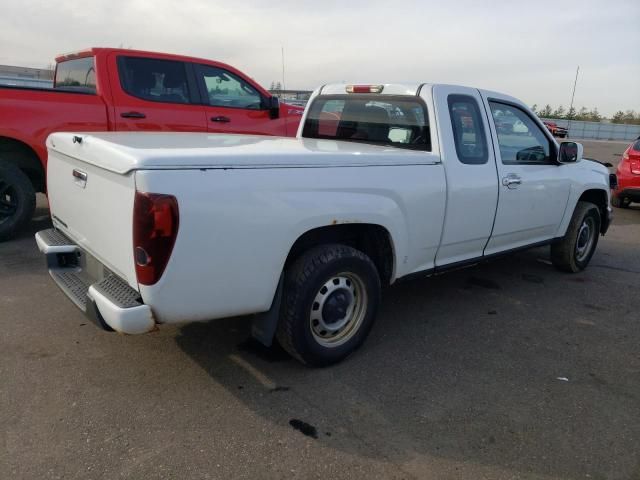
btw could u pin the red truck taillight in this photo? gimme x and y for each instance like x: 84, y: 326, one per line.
x: 155, y: 227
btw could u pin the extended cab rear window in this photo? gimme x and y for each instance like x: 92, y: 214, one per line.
x: 78, y: 75
x: 398, y: 121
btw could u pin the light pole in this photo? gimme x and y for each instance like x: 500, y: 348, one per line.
x: 283, y: 84
x: 573, y: 94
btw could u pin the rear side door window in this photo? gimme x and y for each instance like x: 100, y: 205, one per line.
x: 468, y: 131
x: 521, y: 140
x: 154, y: 80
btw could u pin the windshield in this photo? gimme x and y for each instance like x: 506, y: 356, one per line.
x: 398, y: 121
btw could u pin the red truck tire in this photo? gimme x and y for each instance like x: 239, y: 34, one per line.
x: 17, y: 198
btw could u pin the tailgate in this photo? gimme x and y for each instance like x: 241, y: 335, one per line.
x: 92, y: 205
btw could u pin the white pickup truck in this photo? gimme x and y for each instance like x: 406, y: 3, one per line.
x: 383, y: 182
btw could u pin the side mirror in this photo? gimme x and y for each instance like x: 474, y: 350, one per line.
x: 570, y: 152
x: 273, y: 105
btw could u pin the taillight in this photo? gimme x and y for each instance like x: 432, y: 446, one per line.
x: 364, y: 88
x: 634, y: 162
x: 155, y: 227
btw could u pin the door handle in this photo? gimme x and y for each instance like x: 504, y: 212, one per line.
x: 221, y: 119
x: 133, y: 115
x: 511, y: 181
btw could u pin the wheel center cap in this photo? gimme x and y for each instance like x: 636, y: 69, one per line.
x: 583, y: 236
x: 336, y: 306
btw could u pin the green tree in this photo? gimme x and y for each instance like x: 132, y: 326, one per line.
x: 594, y: 115
x: 571, y: 114
x: 583, y: 114
x: 558, y: 112
x: 546, y: 112
x: 618, y: 117
x: 534, y: 109
x: 630, y: 116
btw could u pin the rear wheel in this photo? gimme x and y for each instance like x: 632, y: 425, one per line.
x: 574, y: 251
x: 17, y: 200
x: 330, y: 301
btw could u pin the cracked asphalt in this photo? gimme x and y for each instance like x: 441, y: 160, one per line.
x: 507, y: 370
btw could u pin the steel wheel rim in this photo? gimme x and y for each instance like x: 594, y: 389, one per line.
x: 8, y: 201
x: 338, y: 309
x: 585, y: 238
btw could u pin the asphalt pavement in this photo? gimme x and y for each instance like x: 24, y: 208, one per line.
x: 507, y: 370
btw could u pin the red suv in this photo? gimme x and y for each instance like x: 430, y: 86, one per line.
x: 628, y: 173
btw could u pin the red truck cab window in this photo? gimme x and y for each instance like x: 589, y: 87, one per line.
x: 78, y: 74
x: 156, y: 80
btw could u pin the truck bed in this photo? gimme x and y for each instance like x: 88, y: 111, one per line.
x: 34, y: 112
x: 123, y: 152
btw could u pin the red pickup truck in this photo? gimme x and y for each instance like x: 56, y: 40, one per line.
x: 116, y: 89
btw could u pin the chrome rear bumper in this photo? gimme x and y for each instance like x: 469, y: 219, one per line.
x: 105, y: 298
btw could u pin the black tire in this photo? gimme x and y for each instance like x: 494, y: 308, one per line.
x: 356, y: 295
x: 17, y: 200
x: 574, y: 251
x: 616, y: 201
x: 620, y: 202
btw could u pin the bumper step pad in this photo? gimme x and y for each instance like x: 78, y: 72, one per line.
x: 107, y: 300
x: 118, y: 292
x: 54, y: 238
x: 74, y: 283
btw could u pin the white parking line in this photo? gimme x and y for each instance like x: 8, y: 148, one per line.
x: 254, y: 372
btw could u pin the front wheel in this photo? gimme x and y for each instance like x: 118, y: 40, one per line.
x: 331, y: 295
x: 574, y: 251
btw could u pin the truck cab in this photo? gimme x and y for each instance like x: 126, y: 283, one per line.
x: 512, y: 188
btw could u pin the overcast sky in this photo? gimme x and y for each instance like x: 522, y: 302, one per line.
x: 527, y: 49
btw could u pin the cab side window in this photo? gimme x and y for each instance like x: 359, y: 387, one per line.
x: 153, y: 79
x: 521, y: 140
x: 468, y: 130
x: 224, y: 89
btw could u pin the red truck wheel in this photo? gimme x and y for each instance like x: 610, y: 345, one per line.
x: 17, y: 200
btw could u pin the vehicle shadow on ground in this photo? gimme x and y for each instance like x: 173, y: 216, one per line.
x: 466, y: 368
